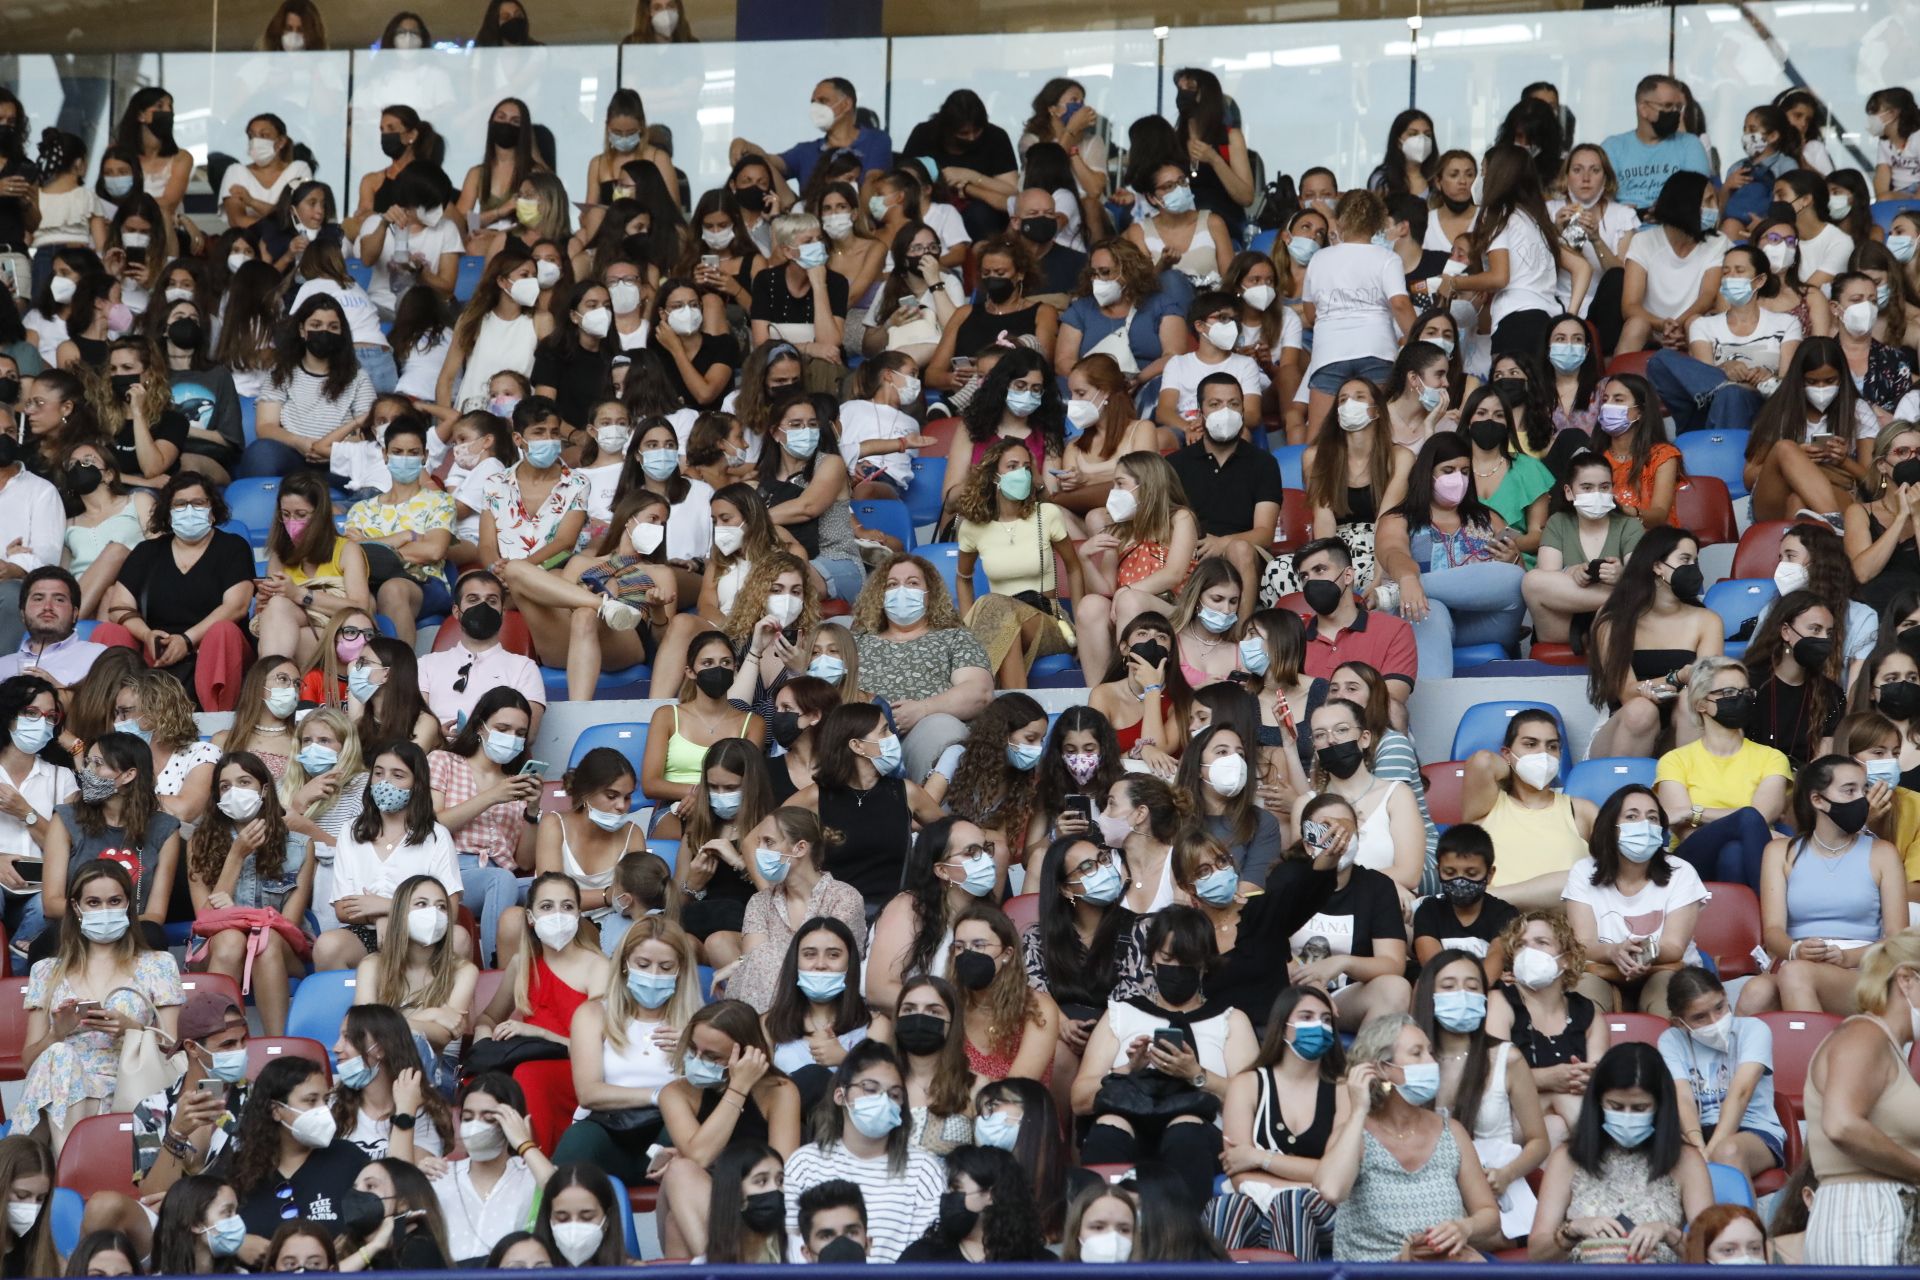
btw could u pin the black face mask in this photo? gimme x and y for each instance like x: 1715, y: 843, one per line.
x: 714, y: 681
x: 480, y: 621
x: 123, y: 383
x: 786, y: 728
x: 1457, y: 206
x: 1341, y: 759
x: 184, y: 333
x: 1040, y: 230
x: 1462, y: 892
x: 359, y: 1212
x: 1734, y: 710
x: 1899, y: 701
x: 9, y: 391
x: 82, y: 479
x: 1907, y: 472
x: 843, y: 1249
x: 161, y: 125
x: 1812, y: 652
x: 974, y: 971
x: 919, y: 1033
x: 323, y: 344
x: 752, y: 199
x: 392, y: 145
x: 1687, y: 582
x: 998, y: 289
x: 1323, y: 595
x: 9, y: 451
x: 1666, y: 124
x: 955, y: 1218
x: 1488, y: 434
x: 764, y: 1211
x: 1848, y: 815
x: 1184, y: 100
x: 1177, y: 983
x: 503, y: 134
x: 513, y: 31
x: 9, y: 135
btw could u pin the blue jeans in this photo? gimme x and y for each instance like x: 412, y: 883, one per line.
x: 1728, y: 849
x: 378, y: 362
x: 1329, y: 376
x: 487, y: 890
x: 25, y: 918
x: 265, y: 458
x: 1699, y: 395
x: 844, y: 578
x: 612, y: 929
x: 1473, y: 604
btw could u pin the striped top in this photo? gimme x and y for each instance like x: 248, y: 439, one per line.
x: 305, y: 410
x: 899, y: 1208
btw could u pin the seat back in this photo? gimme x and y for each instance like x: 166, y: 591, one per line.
x: 264, y: 1049
x: 1598, y: 777
x: 886, y: 515
x: 1759, y: 549
x: 1635, y: 1028
x: 1738, y: 600
x: 1291, y: 459
x: 1720, y: 454
x: 320, y: 1005
x: 98, y: 1156
x: 628, y: 737
x: 945, y: 558
x: 1484, y: 728
x: 1795, y: 1037
x: 1295, y: 527
x: 13, y: 1028
x: 1023, y: 909
x: 1729, y: 929
x: 1445, y: 781
x: 1704, y: 508
x: 218, y: 982
x: 941, y: 431
x: 1629, y: 362
x: 628, y: 1233
x: 923, y: 495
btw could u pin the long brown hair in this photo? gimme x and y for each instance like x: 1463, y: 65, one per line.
x: 1327, y: 484
x: 977, y: 500
x: 1103, y: 438
x: 213, y: 839
x: 315, y: 545
x: 986, y: 789
x: 443, y: 961
x: 138, y: 803
x: 1821, y: 689
x: 1009, y: 1000
x: 736, y: 756
x: 70, y: 954
x: 949, y: 1092
x: 24, y: 1157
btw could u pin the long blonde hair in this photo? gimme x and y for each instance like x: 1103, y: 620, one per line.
x: 443, y: 962
x: 1884, y: 960
x: 622, y: 1008
x: 349, y: 766
x: 164, y: 706
x: 326, y: 660
x: 1160, y: 494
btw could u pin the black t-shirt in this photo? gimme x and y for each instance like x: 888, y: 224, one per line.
x: 580, y: 378
x: 206, y: 399
x: 13, y: 211
x: 774, y: 304
x: 1436, y: 918
x: 714, y: 349
x: 1432, y: 263
x: 317, y: 1186
x: 1061, y: 268
x: 1349, y: 921
x: 171, y: 429
x: 1782, y: 720
x: 991, y: 153
x: 1223, y: 497
x: 171, y: 602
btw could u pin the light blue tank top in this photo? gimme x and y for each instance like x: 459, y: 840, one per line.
x: 1834, y: 897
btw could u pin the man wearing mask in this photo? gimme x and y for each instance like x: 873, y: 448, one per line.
x: 1237, y: 487
x: 832, y: 111
x: 453, y: 680
x: 1655, y: 149
x: 49, y: 604
x: 1341, y: 631
x: 1039, y: 222
x: 33, y: 525
x: 833, y: 1223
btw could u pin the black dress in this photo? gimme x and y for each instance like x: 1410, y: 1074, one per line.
x: 1541, y: 1050
x: 876, y: 827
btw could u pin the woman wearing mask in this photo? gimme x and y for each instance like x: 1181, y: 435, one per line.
x: 379, y: 1060
x: 1417, y: 394
x: 184, y: 336
x: 317, y: 395
x: 1459, y: 580
x: 383, y: 697
x: 930, y: 1038
x: 637, y: 1021
x: 694, y: 340
x: 152, y: 706
x: 573, y: 363
x: 1178, y: 236
x: 422, y: 980
x: 323, y: 267
x: 1412, y: 161
x: 1632, y: 906
x: 145, y: 134
x: 1145, y: 696
x: 1625, y: 1162
x: 1727, y: 1108
x: 322, y: 792
x: 1142, y: 558
x: 1882, y: 541
x: 1730, y: 353
x: 1355, y: 469
x: 1583, y: 551
x: 117, y: 813
x: 1672, y: 266
x: 578, y: 1220
x: 859, y: 764
x: 1554, y: 1027
x: 312, y: 573
x: 806, y: 491
x: 1018, y: 401
x: 1207, y: 125
x: 1120, y: 310
x: 1069, y: 951
x: 1217, y: 768
x: 288, y: 1152
x: 1269, y: 331
x: 1515, y: 238
x: 1006, y: 312
x: 537, y: 509
x: 729, y: 801
x: 1061, y: 116
x: 1537, y: 831
x: 683, y: 733
x: 797, y: 299
x: 263, y: 721
x: 748, y: 1208
x: 790, y: 855
x: 950, y: 867
x: 412, y: 241
x: 498, y: 330
x: 1824, y: 247
x: 987, y: 1215
x: 853, y: 250
x: 491, y: 188
x: 993, y: 775
x: 916, y: 654
x: 107, y: 521
x: 742, y: 535
x: 413, y: 523
x: 1796, y: 667
x: 242, y: 865
x: 482, y: 796
x: 1575, y: 384
x: 625, y: 141
x: 1000, y: 497
x: 1771, y: 149
x: 816, y: 1013
x: 916, y: 304
x: 586, y: 842
x: 1606, y: 228
x: 1646, y: 639
x: 1012, y: 1030
x: 1390, y: 834
x: 1646, y: 468
x: 197, y: 1231
x: 40, y: 772
x: 1443, y: 1208
x: 137, y: 416
x: 404, y: 139
x: 1101, y: 1224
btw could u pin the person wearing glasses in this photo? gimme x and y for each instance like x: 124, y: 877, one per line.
x: 51, y: 649
x: 183, y: 594
x: 1012, y: 1029
x: 454, y: 680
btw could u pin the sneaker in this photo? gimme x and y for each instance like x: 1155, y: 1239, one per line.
x: 621, y: 617
x: 1834, y: 519
x: 1386, y: 597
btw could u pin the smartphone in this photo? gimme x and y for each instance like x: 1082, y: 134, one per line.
x: 1172, y: 1038
x: 962, y: 366
x: 28, y: 871
x: 1317, y: 834
x: 1081, y: 805
x: 534, y: 768
x: 1593, y: 568
x: 711, y: 261
x: 212, y: 1085
x: 135, y: 255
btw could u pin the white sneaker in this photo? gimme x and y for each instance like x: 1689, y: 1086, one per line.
x: 621, y: 617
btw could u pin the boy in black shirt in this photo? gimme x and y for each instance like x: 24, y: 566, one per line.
x: 1463, y: 915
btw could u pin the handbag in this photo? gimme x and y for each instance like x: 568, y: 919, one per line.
x: 1046, y: 600
x: 505, y: 1055
x: 145, y: 1069
x: 627, y: 1119
x: 1146, y: 1097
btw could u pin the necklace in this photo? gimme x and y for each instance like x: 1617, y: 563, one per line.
x: 1493, y: 470
x: 1830, y: 851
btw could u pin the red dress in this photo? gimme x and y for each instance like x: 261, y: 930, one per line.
x: 549, y: 1084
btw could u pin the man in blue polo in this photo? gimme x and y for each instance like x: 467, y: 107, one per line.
x: 832, y: 111
x: 1655, y: 149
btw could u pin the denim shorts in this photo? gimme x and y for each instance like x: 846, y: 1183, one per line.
x: 844, y: 577
x: 1773, y: 1145
x: 1330, y: 376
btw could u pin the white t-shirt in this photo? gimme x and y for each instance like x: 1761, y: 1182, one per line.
x: 1616, y: 221
x: 358, y: 867
x: 239, y: 175
x: 372, y: 1136
x: 362, y: 315
x: 393, y: 272
x: 1184, y: 372
x: 1761, y: 348
x: 1530, y: 269
x: 1813, y: 153
x: 1349, y: 286
x: 1642, y: 915
x: 474, y: 1222
x: 420, y: 378
x: 1830, y: 251
x: 469, y: 490
x: 945, y: 222
x: 1673, y: 282
x: 1905, y: 163
x: 863, y: 420
x: 66, y: 218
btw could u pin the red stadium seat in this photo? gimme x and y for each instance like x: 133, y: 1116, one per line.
x: 1795, y: 1038
x: 1759, y: 549
x: 1635, y: 1028
x: 1445, y: 781
x: 1558, y: 655
x: 1729, y: 929
x: 1023, y: 909
x: 192, y: 982
x: 98, y: 1156
x: 1704, y: 509
x: 514, y: 636
x: 13, y: 1028
x: 1631, y: 362
x: 941, y: 429
x: 264, y: 1049
x: 1295, y: 527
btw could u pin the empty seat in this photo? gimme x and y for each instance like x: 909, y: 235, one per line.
x: 98, y: 1156
x: 1795, y: 1037
x: 1598, y: 777
x: 1720, y: 454
x: 320, y: 1004
x: 886, y: 515
x: 1704, y: 508
x: 1445, y: 781
x: 264, y: 1049
x: 1291, y: 459
x: 1739, y: 600
x: 1729, y: 929
x: 923, y: 495
x: 1635, y: 1028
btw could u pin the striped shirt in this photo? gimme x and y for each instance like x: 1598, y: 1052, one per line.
x: 305, y: 410
x: 899, y: 1208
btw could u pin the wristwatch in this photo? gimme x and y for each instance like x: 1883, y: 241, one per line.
x: 1698, y: 813
x: 32, y: 818
x: 403, y: 1121
x: 1200, y: 1081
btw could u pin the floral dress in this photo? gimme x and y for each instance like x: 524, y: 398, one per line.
x: 521, y: 532
x: 426, y: 511
x: 87, y: 1063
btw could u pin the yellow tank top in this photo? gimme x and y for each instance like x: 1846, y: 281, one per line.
x: 324, y: 577
x: 1532, y: 842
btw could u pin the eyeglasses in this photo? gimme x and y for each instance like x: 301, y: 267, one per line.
x: 972, y: 851
x: 51, y: 717
x: 1339, y: 733
x: 191, y: 506
x: 1085, y: 869
x: 355, y: 633
x: 1717, y: 694
x: 979, y: 946
x: 873, y: 1089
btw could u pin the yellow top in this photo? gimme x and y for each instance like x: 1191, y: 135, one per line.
x: 1532, y: 842
x: 1722, y: 782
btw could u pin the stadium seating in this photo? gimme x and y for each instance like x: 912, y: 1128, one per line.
x: 1729, y: 929
x: 1635, y: 1028
x: 1704, y: 509
x: 888, y: 516
x: 320, y: 1005
x: 1738, y: 601
x: 98, y: 1156
x: 1291, y: 457
x: 1444, y: 782
x: 1720, y: 454
x: 1598, y: 777
x: 264, y: 1049
x: 1484, y: 728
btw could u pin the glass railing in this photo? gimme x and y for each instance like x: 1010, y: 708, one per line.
x: 1308, y: 92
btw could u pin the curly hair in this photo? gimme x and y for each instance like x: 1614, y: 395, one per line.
x: 1130, y: 261
x: 1573, y: 955
x: 977, y: 501
x: 750, y: 602
x: 214, y: 838
x: 156, y: 394
x: 870, y: 613
x: 1008, y: 999
x: 986, y: 789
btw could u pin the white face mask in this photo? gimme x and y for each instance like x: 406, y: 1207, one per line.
x: 546, y: 274
x: 1224, y: 425
x: 22, y: 1216
x: 408, y: 39
x: 1821, y: 397
x: 1224, y: 334
x: 664, y: 21
x: 729, y: 538
x: 1107, y: 292
x: 648, y: 537
x: 261, y: 150
x: 1789, y: 577
x: 625, y: 296
x: 1593, y: 505
x: 596, y: 323
x: 1355, y: 414
x: 525, y: 290
x: 1108, y: 1246
x: 613, y: 440
x: 314, y: 1129
x: 292, y: 41
x: 556, y: 931
x: 241, y: 804
x: 482, y: 1138
x: 1537, y: 770
x: 1534, y: 968
x: 1858, y: 318
x: 783, y: 609
x: 684, y: 320
x: 1121, y: 504
x: 426, y: 925
x: 717, y: 240
x: 235, y: 261
x: 578, y: 1241
x: 1259, y: 296
x: 1416, y: 147
x: 1716, y: 1035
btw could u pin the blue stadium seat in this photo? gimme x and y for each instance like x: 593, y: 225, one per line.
x: 67, y: 1207
x: 83, y: 628
x: 945, y: 558
x: 632, y: 1236
x: 320, y: 1005
x: 255, y: 503
x: 889, y: 516
x: 1599, y: 777
x: 362, y: 273
x: 923, y: 495
x: 629, y: 738
x: 468, y: 279
x: 1478, y: 655
x: 1736, y: 600
x: 1057, y: 671
x: 1730, y: 1185
x: 1885, y: 211
x: 627, y: 682
x: 1720, y: 454
x: 668, y: 851
x: 248, y: 430
x: 1291, y: 457
x: 384, y: 625
x: 1484, y: 728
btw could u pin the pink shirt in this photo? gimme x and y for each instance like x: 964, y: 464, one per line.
x: 492, y: 668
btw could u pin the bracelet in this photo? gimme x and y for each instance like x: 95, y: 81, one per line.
x: 1151, y: 688
x: 525, y: 1147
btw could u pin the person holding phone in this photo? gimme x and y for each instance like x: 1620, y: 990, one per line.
x: 484, y: 797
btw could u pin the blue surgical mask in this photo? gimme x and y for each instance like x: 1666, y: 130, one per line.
x: 725, y: 804
x: 1883, y: 772
x: 1253, y: 655
x: 1217, y: 622
x: 135, y: 728
x: 1022, y: 403
x: 281, y: 702
x: 1302, y: 248
x: 827, y: 667
x: 1639, y: 841
x: 389, y: 798
x: 1016, y: 486
x: 1901, y: 247
x: 1567, y: 356
x: 772, y: 867
x: 117, y: 184
x: 405, y: 470
x: 1430, y: 397
x: 1024, y: 755
x: 1628, y: 1128
x: 1311, y: 1040
x: 981, y: 875
x: 875, y: 1115
x: 316, y: 758
x: 542, y: 454
x: 1381, y: 240
x: 802, y: 442
x: 821, y: 987
x: 1459, y: 1010
x: 1102, y: 885
x: 997, y: 1131
x: 225, y: 1237
x: 1737, y: 290
x: 229, y: 1065
x: 501, y: 747
x: 813, y: 255
x: 700, y: 1073
x: 651, y: 990
x: 1709, y: 219
x: 30, y: 735
x: 659, y: 463
x: 1178, y: 200
x: 890, y: 755
x: 905, y: 605
x: 190, y: 524
x: 1217, y: 887
x: 361, y: 685
x: 355, y: 1073
x: 1883, y: 294
x: 1423, y: 1082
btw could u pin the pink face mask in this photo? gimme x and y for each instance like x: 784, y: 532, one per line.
x: 1082, y: 766
x: 1450, y: 488
x: 348, y: 650
x: 120, y: 317
x: 295, y: 526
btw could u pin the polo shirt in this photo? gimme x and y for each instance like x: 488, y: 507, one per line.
x: 1223, y: 496
x: 67, y: 661
x: 875, y: 149
x: 491, y: 668
x: 1380, y: 640
x: 1060, y: 267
